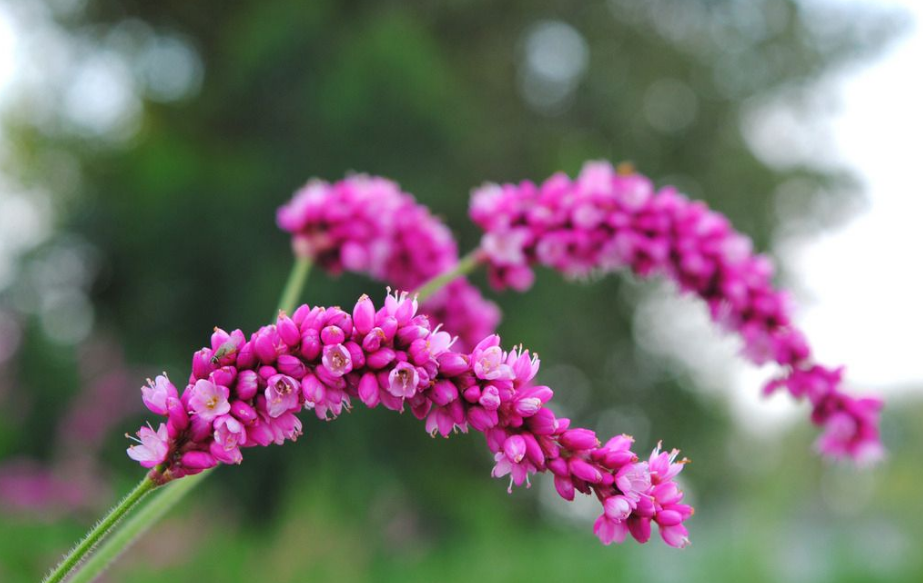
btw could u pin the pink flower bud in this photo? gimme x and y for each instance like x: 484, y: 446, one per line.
x: 332, y: 335
x: 515, y: 448
x: 534, y: 450
x: 198, y: 460
x: 543, y: 422
x: 482, y: 419
x: 301, y: 313
x: 288, y: 331
x: 444, y: 392
x: 246, y: 357
x: 373, y: 340
x: 618, y: 507
x: 368, y: 390
x: 472, y: 394
x: 490, y: 398
x: 223, y: 376
x: 291, y: 366
x: 247, y: 384
x: 579, y: 439
x: 312, y: 389
x: 380, y: 359
x: 558, y: 467
x: 356, y: 355
x: 584, y: 470
x: 243, y: 411
x: 364, y: 315
x: 640, y: 528
x: 202, y: 364
x: 452, y: 364
x: 565, y: 487
x: 225, y: 455
x: 310, y: 344
x: 177, y: 413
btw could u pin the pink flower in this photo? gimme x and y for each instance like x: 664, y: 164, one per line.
x: 337, y: 360
x: 608, y: 219
x: 156, y: 393
x: 153, y: 446
x: 209, y: 400
x: 366, y: 224
x: 282, y: 395
x: 229, y: 436
x: 512, y: 460
x: 251, y: 399
x: 403, y: 380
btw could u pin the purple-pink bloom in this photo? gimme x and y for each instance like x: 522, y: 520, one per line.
x: 366, y: 224
x: 609, y: 219
x: 403, y: 380
x: 209, y: 400
x: 271, y: 376
x: 156, y: 393
x: 152, y: 446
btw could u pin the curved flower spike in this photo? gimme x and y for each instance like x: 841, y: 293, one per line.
x: 251, y: 395
x: 610, y: 219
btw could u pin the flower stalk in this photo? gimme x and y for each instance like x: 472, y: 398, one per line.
x: 85, y: 564
x: 465, y: 265
x: 103, y: 528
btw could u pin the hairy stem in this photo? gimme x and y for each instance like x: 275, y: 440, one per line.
x: 465, y: 265
x: 98, y: 532
x: 78, y: 561
x: 135, y: 526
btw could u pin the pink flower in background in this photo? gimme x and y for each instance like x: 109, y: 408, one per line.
x: 609, y: 219
x: 366, y: 224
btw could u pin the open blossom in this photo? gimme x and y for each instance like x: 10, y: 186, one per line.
x: 209, y: 400
x: 609, y: 219
x: 323, y: 359
x: 152, y: 446
x: 366, y: 224
x: 156, y: 394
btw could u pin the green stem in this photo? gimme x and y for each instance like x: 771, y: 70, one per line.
x: 102, y: 528
x: 86, y: 569
x: 466, y: 265
x: 136, y: 526
x: 292, y: 291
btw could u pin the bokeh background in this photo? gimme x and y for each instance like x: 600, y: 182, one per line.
x: 144, y: 147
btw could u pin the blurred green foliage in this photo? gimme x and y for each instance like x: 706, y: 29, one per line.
x: 435, y: 95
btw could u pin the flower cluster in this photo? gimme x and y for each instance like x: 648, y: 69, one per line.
x: 244, y: 393
x: 609, y: 219
x: 366, y: 224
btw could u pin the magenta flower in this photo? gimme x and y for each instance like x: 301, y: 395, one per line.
x: 282, y: 395
x: 610, y: 219
x: 156, y: 393
x: 403, y: 380
x: 209, y: 400
x: 366, y: 224
x: 393, y: 357
x: 152, y: 446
